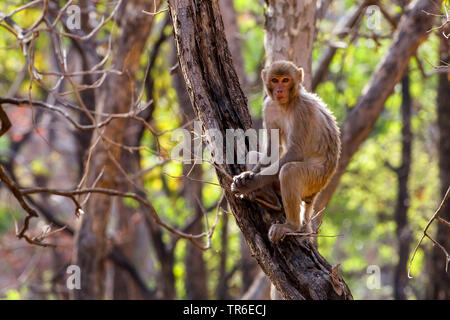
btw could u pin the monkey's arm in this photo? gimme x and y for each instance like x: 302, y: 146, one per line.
x: 264, y: 160
x: 268, y: 125
x: 270, y: 173
x: 248, y: 182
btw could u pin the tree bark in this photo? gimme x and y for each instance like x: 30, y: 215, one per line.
x: 411, y: 32
x: 290, y: 28
x: 294, y: 266
x: 440, y: 280
x: 115, y: 97
x: 401, y: 209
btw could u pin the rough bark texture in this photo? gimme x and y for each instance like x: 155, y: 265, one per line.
x: 294, y: 266
x: 411, y: 32
x: 290, y: 28
x: 115, y: 97
x: 401, y: 209
x: 440, y: 280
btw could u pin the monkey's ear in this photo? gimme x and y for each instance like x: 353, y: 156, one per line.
x: 263, y: 74
x: 300, y: 74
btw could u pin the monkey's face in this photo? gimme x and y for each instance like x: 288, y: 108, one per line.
x: 280, y: 87
x: 281, y: 80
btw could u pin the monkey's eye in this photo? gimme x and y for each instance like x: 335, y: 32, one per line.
x: 285, y: 80
x: 274, y: 80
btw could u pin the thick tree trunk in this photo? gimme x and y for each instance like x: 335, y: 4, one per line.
x: 440, y: 280
x: 115, y: 97
x: 411, y: 32
x: 295, y: 267
x: 401, y: 209
x: 290, y: 28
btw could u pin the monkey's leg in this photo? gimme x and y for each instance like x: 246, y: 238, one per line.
x: 266, y: 196
x: 306, y: 219
x: 298, y: 181
x: 292, y: 178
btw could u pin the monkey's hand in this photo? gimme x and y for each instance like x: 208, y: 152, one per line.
x: 244, y: 184
x: 278, y: 231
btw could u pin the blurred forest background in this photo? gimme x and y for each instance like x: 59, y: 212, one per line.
x: 391, y: 188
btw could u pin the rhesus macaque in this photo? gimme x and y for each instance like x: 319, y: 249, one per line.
x: 310, y: 148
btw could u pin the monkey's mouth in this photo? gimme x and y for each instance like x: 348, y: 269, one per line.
x: 281, y: 99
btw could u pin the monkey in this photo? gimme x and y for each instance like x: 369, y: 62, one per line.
x: 310, y: 148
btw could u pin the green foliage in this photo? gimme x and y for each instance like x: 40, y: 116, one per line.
x: 13, y: 295
x: 6, y: 219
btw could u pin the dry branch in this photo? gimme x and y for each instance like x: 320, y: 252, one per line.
x: 425, y: 234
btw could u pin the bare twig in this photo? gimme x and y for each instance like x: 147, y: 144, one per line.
x: 425, y: 234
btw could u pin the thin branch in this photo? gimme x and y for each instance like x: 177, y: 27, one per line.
x: 425, y: 234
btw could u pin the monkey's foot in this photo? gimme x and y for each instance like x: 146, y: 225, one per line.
x: 244, y: 183
x: 278, y: 231
x: 306, y: 228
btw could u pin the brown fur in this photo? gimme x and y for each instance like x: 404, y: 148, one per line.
x: 310, y: 148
